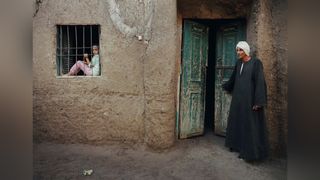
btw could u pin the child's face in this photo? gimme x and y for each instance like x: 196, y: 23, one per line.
x: 95, y: 50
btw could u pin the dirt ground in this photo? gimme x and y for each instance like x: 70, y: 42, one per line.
x: 202, y: 157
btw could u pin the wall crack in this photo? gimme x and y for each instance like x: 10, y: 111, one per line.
x: 133, y: 31
x: 36, y: 7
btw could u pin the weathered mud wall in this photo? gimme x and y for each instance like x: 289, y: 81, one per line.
x: 267, y: 35
x: 134, y: 99
x: 213, y: 9
x: 279, y: 12
x: 267, y: 32
x: 112, y: 107
x: 160, y: 74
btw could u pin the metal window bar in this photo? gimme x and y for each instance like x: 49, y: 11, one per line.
x: 91, y: 41
x: 67, y: 45
x: 76, y: 35
x: 60, y: 58
x: 64, y: 48
x: 83, y: 39
x: 98, y: 43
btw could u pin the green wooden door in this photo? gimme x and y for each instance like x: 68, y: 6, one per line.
x: 227, y: 38
x: 192, y: 90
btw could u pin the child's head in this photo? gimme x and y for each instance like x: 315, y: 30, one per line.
x: 95, y: 49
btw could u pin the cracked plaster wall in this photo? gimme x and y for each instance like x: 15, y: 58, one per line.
x: 134, y: 100
x: 267, y: 33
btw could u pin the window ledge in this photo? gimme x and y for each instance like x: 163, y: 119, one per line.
x: 73, y: 77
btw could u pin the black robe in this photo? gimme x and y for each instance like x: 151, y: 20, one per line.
x: 246, y: 129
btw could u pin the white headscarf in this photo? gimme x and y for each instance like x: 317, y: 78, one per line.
x: 245, y: 46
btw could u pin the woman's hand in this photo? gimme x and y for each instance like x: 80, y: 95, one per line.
x: 256, y: 107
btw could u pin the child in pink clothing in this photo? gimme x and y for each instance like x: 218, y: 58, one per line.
x: 88, y: 68
x: 81, y: 65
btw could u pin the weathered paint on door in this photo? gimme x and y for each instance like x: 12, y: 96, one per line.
x: 227, y: 37
x: 192, y: 90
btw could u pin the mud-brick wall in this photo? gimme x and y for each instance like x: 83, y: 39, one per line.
x: 110, y: 107
x: 160, y: 76
x: 267, y: 32
x: 279, y: 10
x: 133, y: 100
x: 213, y: 9
x: 267, y: 36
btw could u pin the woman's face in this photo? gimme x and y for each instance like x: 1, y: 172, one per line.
x: 240, y: 53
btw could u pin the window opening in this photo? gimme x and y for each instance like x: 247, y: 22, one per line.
x: 72, y: 42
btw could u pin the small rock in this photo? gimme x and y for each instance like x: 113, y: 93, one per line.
x: 87, y: 172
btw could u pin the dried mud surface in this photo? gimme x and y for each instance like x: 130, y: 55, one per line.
x: 202, y: 157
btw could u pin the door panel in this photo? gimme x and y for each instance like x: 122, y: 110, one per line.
x: 227, y: 37
x: 192, y: 96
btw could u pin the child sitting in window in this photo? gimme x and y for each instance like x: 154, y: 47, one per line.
x: 89, y: 68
